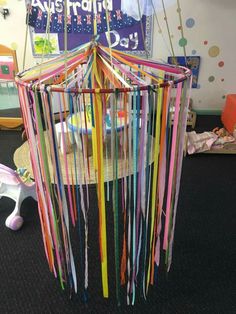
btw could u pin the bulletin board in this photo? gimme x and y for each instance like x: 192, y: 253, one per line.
x: 7, y: 69
x: 9, y: 101
x: 126, y: 33
x: 191, y: 62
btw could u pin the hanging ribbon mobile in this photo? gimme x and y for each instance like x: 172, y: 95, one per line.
x: 115, y: 113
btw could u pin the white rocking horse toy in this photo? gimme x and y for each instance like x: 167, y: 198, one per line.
x: 17, y: 186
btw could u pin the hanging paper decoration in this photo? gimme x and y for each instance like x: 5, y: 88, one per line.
x: 79, y: 24
x: 127, y: 34
x: 116, y: 109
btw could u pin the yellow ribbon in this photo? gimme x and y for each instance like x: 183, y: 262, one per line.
x: 100, y: 189
x: 155, y: 176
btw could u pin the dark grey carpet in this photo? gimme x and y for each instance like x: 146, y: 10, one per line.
x: 12, y: 113
x: 202, y: 278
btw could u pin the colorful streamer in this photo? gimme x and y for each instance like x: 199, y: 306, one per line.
x: 116, y: 126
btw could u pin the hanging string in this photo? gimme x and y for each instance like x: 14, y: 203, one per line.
x: 168, y: 28
x: 108, y: 29
x: 109, y: 36
x: 47, y: 32
x: 159, y: 27
x: 181, y: 28
x: 94, y: 4
x: 142, y: 29
x: 65, y: 38
x: 26, y: 34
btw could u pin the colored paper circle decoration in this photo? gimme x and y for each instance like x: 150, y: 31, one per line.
x: 211, y: 78
x: 183, y: 42
x: 190, y: 22
x: 214, y: 51
x: 14, y: 46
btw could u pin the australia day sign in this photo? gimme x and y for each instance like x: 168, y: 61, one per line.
x: 126, y: 33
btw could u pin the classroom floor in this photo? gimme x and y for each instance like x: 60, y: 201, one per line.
x: 202, y: 277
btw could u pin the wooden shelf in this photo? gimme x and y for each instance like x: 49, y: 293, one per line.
x: 11, y: 123
x: 229, y: 148
x: 6, y: 122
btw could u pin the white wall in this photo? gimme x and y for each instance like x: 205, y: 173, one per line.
x: 13, y: 29
x: 214, y: 21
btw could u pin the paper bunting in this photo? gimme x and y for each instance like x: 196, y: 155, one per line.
x: 79, y: 24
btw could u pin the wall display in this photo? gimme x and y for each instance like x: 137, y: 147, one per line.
x: 42, y: 43
x: 191, y: 62
x: 9, y: 101
x: 7, y: 68
x: 126, y: 33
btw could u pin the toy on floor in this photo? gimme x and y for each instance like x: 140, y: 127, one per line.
x: 16, y: 185
x: 221, y: 132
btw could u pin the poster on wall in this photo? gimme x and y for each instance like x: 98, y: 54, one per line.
x: 127, y: 33
x: 7, y: 72
x: 41, y: 42
x: 191, y: 62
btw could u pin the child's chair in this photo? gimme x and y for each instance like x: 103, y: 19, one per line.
x: 17, y: 187
x: 8, y: 90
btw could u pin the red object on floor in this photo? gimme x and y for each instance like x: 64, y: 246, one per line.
x: 121, y: 114
x: 228, y: 116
